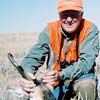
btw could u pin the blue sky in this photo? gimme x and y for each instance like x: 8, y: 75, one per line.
x: 33, y: 15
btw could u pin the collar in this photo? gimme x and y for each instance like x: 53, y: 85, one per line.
x: 67, y: 35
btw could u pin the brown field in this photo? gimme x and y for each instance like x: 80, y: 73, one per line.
x: 18, y: 44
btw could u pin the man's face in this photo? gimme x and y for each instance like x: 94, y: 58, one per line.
x: 70, y: 20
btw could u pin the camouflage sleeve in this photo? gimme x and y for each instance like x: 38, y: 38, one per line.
x: 89, y: 50
x: 35, y: 56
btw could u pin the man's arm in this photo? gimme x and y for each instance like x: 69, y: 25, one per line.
x: 89, y: 50
x: 37, y: 53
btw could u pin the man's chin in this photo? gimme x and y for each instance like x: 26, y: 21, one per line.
x: 69, y: 31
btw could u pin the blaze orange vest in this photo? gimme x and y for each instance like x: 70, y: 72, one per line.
x: 55, y: 40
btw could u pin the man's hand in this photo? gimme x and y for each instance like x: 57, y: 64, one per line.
x: 50, y: 77
x: 27, y: 86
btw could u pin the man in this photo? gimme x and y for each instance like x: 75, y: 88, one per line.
x: 72, y: 45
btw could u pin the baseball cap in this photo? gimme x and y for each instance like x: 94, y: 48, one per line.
x: 70, y: 5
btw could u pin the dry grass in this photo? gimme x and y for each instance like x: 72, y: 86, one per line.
x: 9, y: 78
x: 18, y: 44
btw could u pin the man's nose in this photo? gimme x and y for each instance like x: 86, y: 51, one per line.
x: 68, y: 19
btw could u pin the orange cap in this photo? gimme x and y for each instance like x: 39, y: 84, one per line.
x: 70, y: 5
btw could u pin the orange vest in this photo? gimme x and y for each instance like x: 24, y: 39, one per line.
x: 55, y: 41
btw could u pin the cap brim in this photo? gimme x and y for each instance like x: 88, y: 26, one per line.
x: 64, y: 8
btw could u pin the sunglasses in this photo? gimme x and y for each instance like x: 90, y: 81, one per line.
x: 72, y: 14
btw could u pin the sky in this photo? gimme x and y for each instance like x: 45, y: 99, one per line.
x: 33, y: 15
